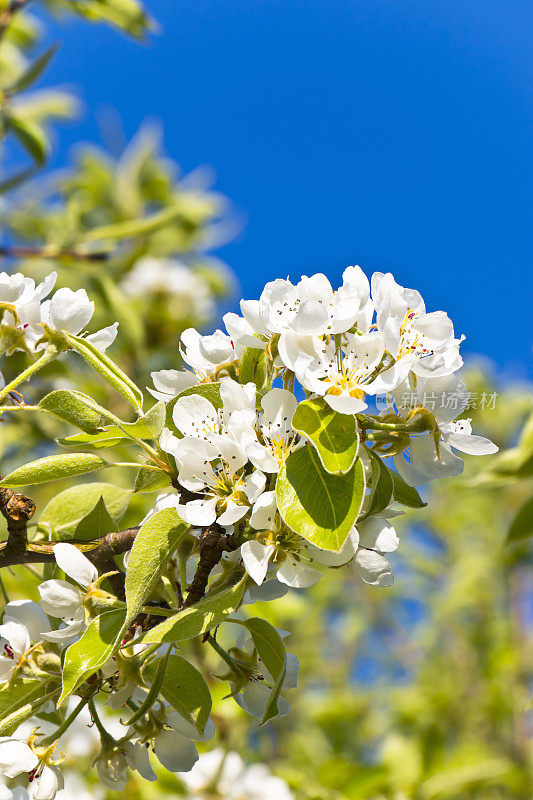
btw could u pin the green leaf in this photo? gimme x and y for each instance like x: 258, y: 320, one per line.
x: 148, y: 560
x: 96, y: 524
x: 199, y: 618
x: 30, y: 135
x: 21, y: 699
x: 33, y: 72
x: 271, y: 651
x: 149, y: 426
x: 381, y: 485
x: 253, y: 368
x: 522, y: 524
x: 52, y: 468
x: 334, y: 436
x: 319, y: 506
x: 186, y: 691
x: 97, y: 441
x: 135, y: 227
x: 211, y: 391
x: 151, y: 480
x: 74, y: 408
x: 67, y: 509
x: 91, y: 652
x: 405, y: 494
x: 107, y: 368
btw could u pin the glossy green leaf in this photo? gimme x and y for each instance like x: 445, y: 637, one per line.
x: 74, y: 408
x: 319, y: 506
x: 522, y: 524
x: 149, y: 556
x: 21, y: 699
x: 403, y: 493
x: 151, y: 480
x: 96, y: 524
x: 52, y: 468
x: 33, y: 72
x: 186, y: 691
x: 381, y: 485
x: 253, y: 368
x: 271, y: 650
x: 67, y: 509
x: 108, y: 370
x: 334, y: 436
x: 91, y: 652
x: 199, y: 618
x: 31, y: 136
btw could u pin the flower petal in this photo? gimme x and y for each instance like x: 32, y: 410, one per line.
x: 75, y: 564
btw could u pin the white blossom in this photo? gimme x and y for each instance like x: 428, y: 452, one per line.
x: 63, y: 600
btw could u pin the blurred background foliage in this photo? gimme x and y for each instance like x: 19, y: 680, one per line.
x: 419, y: 692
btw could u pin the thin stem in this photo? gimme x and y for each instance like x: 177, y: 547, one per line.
x: 50, y: 252
x: 383, y: 426
x: 3, y: 592
x: 53, y: 737
x: 49, y: 354
x: 183, y: 573
x: 223, y: 655
x: 104, y: 735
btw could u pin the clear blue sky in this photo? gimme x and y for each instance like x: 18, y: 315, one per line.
x: 390, y: 133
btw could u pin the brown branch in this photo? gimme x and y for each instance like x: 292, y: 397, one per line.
x: 213, y: 544
x: 100, y: 552
x: 36, y: 252
x: 18, y: 510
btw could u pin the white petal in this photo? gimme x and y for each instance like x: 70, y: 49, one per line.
x: 376, y: 533
x: 311, y: 318
x: 471, y: 444
x: 60, y: 599
x: 424, y: 457
x: 278, y: 407
x: 175, y: 752
x: 373, y: 568
x: 291, y: 674
x: 263, y: 517
x: 233, y: 513
x: 65, y: 633
x: 171, y: 382
x: 29, y: 614
x: 46, y: 786
x: 256, y: 556
x: 297, y: 575
x: 17, y: 636
x: 200, y: 513
x: 328, y: 557
x: 345, y: 404
x: 70, y: 311
x: 254, y: 485
x: 103, y: 338
x: 75, y: 564
x: 194, y: 415
x: 7, y: 665
x: 16, y: 757
x: 261, y: 457
x: 142, y: 762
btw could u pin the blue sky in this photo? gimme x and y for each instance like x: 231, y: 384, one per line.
x: 389, y: 133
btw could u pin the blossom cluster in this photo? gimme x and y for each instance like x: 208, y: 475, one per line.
x: 271, y: 443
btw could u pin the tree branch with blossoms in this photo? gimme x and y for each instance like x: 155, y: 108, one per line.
x: 285, y: 449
